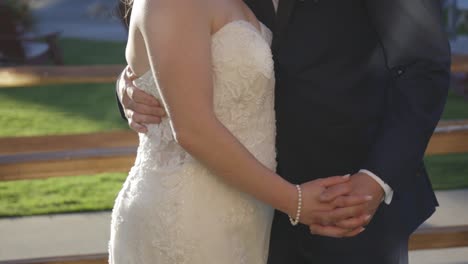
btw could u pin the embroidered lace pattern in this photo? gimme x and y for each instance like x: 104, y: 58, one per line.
x: 171, y: 209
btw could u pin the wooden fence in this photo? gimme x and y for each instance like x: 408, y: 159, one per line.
x: 27, y: 76
x: 40, y: 75
x: 68, y: 155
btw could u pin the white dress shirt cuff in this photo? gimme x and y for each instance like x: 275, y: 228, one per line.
x: 387, y: 189
x: 118, y: 86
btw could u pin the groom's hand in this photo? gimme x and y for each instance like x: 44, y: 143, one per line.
x: 139, y: 107
x: 322, y: 216
x: 359, y: 184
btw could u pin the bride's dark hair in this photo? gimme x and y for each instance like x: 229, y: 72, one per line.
x: 125, y: 9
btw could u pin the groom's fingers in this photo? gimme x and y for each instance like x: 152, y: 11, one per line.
x: 330, y: 231
x: 137, y: 127
x: 334, y: 180
x: 355, y: 222
x: 141, y: 97
x: 355, y: 232
x: 334, y: 192
x: 333, y: 231
x: 351, y: 200
x: 129, y: 75
x: 149, y: 110
x: 145, y: 119
x: 340, y: 214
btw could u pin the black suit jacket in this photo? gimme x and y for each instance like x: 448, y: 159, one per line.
x: 360, y: 85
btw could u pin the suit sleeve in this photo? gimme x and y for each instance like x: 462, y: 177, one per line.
x: 119, y: 104
x: 121, y: 110
x: 418, y: 56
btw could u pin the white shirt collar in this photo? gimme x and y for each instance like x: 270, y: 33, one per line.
x: 275, y: 3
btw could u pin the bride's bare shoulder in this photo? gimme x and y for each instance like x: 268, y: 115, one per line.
x: 182, y: 10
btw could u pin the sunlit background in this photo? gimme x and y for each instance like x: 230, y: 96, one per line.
x: 65, y: 151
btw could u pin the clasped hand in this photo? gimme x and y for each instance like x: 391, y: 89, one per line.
x: 340, y: 206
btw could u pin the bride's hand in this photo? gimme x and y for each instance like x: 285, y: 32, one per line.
x: 139, y: 107
x: 321, y: 217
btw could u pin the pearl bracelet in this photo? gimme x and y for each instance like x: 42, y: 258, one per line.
x: 295, y: 221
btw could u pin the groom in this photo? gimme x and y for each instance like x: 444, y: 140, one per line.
x: 360, y: 88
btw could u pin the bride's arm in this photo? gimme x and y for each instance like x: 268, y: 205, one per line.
x: 177, y: 36
x: 178, y: 39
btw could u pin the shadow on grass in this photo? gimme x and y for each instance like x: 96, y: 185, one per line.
x: 448, y: 171
x: 89, y: 52
x: 456, y: 108
x: 59, y: 109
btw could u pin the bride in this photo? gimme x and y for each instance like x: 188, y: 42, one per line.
x: 203, y: 186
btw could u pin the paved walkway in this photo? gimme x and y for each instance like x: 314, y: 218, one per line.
x: 88, y: 233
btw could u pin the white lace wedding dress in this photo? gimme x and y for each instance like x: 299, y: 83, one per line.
x: 171, y: 209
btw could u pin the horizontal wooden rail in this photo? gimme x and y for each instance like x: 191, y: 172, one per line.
x: 448, y: 142
x: 78, y: 259
x: 40, y: 75
x: 70, y: 155
x: 452, y: 123
x: 439, y: 237
x: 460, y: 64
x: 26, y: 76
x: 115, y: 139
x: 66, y: 166
x: 424, y: 238
x: 441, y: 142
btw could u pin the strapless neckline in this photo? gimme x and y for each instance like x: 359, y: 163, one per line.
x: 264, y: 32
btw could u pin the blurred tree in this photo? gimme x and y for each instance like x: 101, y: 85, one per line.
x: 20, y: 12
x: 18, y: 44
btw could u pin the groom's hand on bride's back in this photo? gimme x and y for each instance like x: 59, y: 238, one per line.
x: 342, y: 207
x: 139, y: 107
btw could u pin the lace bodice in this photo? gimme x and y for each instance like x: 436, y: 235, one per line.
x: 171, y: 208
x: 243, y: 95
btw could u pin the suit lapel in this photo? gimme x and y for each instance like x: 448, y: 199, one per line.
x: 285, y: 9
x: 264, y: 10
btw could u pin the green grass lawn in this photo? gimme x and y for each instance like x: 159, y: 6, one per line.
x: 58, y: 195
x: 456, y: 107
x: 448, y: 171
x: 80, y: 108
x: 89, y: 52
x: 65, y: 109
x: 47, y: 110
x: 98, y: 192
